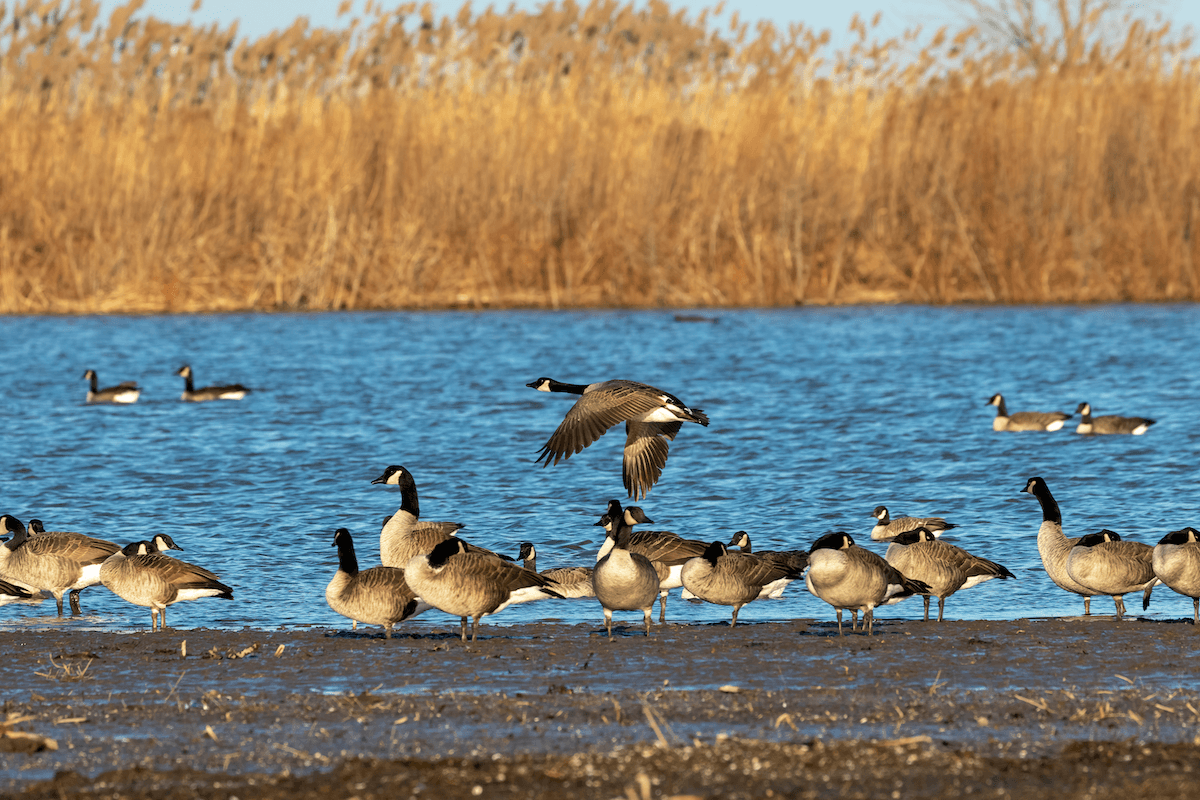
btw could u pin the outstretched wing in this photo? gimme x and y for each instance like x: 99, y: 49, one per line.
x: 593, y: 414
x: 645, y: 454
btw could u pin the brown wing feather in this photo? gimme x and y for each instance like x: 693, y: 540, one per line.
x: 592, y: 415
x: 665, y: 546
x: 645, y: 456
x: 75, y: 546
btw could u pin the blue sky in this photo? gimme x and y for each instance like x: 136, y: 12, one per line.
x: 258, y: 18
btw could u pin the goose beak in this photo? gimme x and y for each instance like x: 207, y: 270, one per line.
x: 380, y: 479
x: 532, y: 384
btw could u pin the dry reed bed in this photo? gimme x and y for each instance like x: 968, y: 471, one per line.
x: 582, y: 157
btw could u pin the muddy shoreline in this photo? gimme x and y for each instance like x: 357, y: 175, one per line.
x: 1089, y: 707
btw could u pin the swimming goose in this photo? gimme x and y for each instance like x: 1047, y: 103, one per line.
x: 11, y: 593
x: 1106, y: 564
x: 1024, y: 420
x: 405, y: 534
x: 887, y: 528
x: 572, y: 581
x: 734, y: 579
x: 69, y: 540
x: 125, y: 392
x: 666, y: 550
x: 1054, y: 546
x: 376, y: 596
x: 1110, y: 423
x: 52, y: 562
x: 460, y: 581
x: 1176, y: 562
x: 652, y: 418
x: 624, y: 580
x: 849, y: 577
x: 791, y: 560
x: 139, y: 575
x: 230, y: 391
x: 943, y: 566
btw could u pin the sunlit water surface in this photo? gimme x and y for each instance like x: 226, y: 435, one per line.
x: 818, y: 415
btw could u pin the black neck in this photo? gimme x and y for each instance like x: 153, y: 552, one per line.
x: 187, y: 383
x: 570, y: 388
x: 347, y: 561
x: 95, y: 384
x: 408, y: 495
x: 1001, y: 408
x: 1050, y: 512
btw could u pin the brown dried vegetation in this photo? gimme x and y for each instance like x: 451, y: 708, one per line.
x: 582, y: 156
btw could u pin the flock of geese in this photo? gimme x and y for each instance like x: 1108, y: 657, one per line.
x: 425, y: 564
x: 1054, y: 420
x: 128, y: 392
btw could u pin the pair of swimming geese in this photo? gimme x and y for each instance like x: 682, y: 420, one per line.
x: 129, y: 392
x: 56, y: 562
x: 1054, y: 420
x: 1102, y: 563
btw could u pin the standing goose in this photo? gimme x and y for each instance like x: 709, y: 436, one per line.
x: 1107, y: 565
x: 140, y: 575
x: 1176, y: 563
x: 50, y: 562
x: 457, y: 579
x: 404, y: 534
x: 666, y: 550
x: 652, y: 417
x: 230, y: 391
x: 849, y: 577
x: 789, y: 560
x: 125, y: 392
x: 11, y: 593
x: 572, y: 581
x: 624, y: 580
x: 1025, y: 420
x: 376, y: 596
x: 1110, y: 423
x: 68, y: 540
x: 1053, y: 545
x: 887, y: 528
x: 734, y: 579
x: 943, y: 566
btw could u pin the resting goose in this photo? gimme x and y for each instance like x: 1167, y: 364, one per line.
x: 1110, y: 423
x: 735, y: 579
x: 624, y: 580
x: 52, y: 563
x: 125, y: 392
x: 230, y: 391
x: 849, y: 577
x: 1053, y: 545
x: 68, y: 540
x: 789, y: 560
x: 652, y: 418
x: 1106, y: 564
x: 946, y: 568
x: 376, y: 596
x: 667, y: 551
x: 1176, y: 562
x: 463, y: 582
x: 572, y: 581
x: 1025, y: 420
x: 887, y: 528
x: 140, y: 575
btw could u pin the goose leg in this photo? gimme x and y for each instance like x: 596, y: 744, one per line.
x: 1196, y: 610
x: 733, y: 621
x: 608, y: 623
x: 462, y: 626
x: 941, y: 607
x: 1120, y: 603
x: 925, y: 597
x: 1087, y: 606
x: 647, y: 613
x: 75, y: 609
x: 162, y: 618
x: 387, y: 631
x: 662, y: 607
x: 854, y: 620
x: 869, y: 621
x: 58, y: 599
x: 839, y: 616
x: 474, y: 626
x: 153, y: 619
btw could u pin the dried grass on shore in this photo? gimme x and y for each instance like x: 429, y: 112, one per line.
x: 582, y: 156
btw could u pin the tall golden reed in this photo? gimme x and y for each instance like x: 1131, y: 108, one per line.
x: 581, y: 156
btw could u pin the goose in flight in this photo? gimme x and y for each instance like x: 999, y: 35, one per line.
x: 652, y: 418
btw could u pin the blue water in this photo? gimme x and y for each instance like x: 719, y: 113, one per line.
x: 818, y: 415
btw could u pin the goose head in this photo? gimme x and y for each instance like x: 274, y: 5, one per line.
x: 833, y: 541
